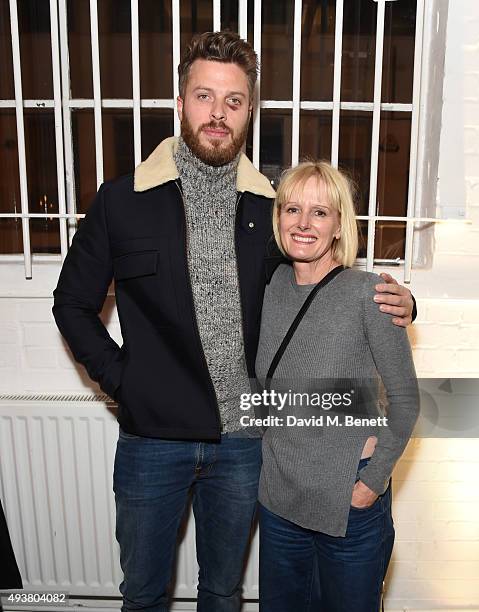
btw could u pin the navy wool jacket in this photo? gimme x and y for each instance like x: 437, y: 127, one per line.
x: 135, y: 234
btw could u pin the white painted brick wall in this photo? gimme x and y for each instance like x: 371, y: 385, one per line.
x: 435, y: 563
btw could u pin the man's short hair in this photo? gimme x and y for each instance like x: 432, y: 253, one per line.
x: 223, y: 46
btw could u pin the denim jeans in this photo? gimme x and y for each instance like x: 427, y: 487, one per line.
x: 308, y: 571
x: 152, y: 480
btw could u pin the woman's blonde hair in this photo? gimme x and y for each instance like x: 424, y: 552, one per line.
x: 339, y: 189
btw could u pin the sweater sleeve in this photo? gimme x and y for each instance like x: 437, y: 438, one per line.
x: 392, y: 356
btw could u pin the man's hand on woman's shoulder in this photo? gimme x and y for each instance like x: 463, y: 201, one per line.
x: 395, y: 300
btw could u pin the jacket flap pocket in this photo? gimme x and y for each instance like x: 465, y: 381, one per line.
x: 135, y: 245
x: 136, y: 264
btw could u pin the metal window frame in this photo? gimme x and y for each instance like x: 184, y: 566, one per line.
x: 63, y: 105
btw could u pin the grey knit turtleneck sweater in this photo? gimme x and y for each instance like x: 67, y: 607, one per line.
x: 210, y: 204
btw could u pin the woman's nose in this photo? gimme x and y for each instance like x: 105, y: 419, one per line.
x: 303, y: 221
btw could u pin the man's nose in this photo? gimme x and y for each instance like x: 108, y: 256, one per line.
x: 218, y: 111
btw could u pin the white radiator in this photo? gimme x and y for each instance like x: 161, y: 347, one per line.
x: 56, y: 467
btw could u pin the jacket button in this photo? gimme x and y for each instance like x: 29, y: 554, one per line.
x: 251, y: 224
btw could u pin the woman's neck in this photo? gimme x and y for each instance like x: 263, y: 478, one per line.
x: 311, y: 272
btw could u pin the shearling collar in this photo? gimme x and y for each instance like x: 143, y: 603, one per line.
x: 160, y: 168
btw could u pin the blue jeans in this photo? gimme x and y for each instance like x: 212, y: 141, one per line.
x: 308, y: 571
x: 152, y: 479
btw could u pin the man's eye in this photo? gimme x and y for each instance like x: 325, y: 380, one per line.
x: 235, y: 101
x: 202, y: 96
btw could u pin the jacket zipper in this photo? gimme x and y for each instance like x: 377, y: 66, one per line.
x: 195, y: 320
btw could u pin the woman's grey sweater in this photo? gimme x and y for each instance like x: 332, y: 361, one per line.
x: 344, y: 345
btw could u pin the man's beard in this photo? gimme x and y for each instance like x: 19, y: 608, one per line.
x: 217, y: 154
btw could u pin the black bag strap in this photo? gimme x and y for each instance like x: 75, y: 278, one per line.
x: 294, y: 325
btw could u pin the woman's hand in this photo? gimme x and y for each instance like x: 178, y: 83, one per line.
x: 395, y: 299
x: 362, y: 497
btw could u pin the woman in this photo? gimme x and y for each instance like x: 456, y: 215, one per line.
x: 325, y: 494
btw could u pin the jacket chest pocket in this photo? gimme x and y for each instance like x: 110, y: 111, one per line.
x: 142, y: 271
x: 135, y: 265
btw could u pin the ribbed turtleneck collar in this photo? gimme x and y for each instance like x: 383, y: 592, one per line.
x: 188, y: 163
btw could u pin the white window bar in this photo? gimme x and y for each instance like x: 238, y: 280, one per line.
x: 95, y: 61
x: 257, y: 101
x: 243, y: 18
x: 216, y: 15
x: 67, y: 123
x: 358, y: 217
x: 135, y: 72
x: 122, y: 103
x: 413, y: 156
x: 338, y: 59
x: 175, y: 16
x: 57, y: 94
x: 169, y: 103
x: 28, y: 104
x: 378, y: 75
x: 298, y: 8
x: 22, y: 164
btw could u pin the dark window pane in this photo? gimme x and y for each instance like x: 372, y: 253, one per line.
x: 398, y: 57
x: 35, y: 48
x: 118, y: 154
x: 275, y: 147
x: 7, y: 91
x: 84, y: 158
x: 250, y: 19
x: 156, y: 44
x: 41, y: 161
x: 11, y: 238
x: 248, y: 148
x: 229, y: 15
x: 355, y: 132
x: 362, y: 238
x: 9, y: 173
x: 114, y: 31
x: 45, y: 236
x: 277, y: 50
x: 317, y: 49
x: 359, y: 48
x: 393, y: 167
x: 315, y: 135
x: 390, y: 240
x: 79, y: 47
x: 156, y: 125
x: 196, y: 16
x: 42, y: 179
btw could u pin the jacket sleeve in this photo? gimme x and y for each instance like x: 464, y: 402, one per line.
x: 414, y: 308
x: 392, y: 356
x: 79, y: 297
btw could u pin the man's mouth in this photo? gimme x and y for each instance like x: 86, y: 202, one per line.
x: 303, y: 239
x: 215, y: 132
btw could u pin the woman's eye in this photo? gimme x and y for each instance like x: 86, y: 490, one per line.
x: 320, y: 213
x: 291, y: 209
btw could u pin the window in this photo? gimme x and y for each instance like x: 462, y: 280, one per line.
x: 339, y: 80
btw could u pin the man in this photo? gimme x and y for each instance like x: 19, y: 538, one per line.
x: 185, y: 241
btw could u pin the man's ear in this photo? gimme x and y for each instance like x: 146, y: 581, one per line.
x: 179, y: 107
